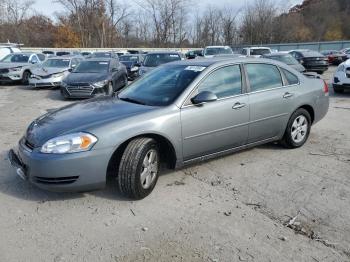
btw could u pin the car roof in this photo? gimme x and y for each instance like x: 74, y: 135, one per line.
x: 163, y: 52
x: 100, y: 59
x: 258, y: 47
x: 64, y: 57
x: 217, y: 46
x: 222, y: 60
x: 277, y: 54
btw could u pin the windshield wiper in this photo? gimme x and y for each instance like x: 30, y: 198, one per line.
x: 131, y: 100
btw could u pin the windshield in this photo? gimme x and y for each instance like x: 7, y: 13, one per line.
x: 16, y: 58
x: 287, y: 59
x: 260, y: 51
x: 102, y: 54
x: 92, y: 67
x: 161, y: 86
x: 56, y: 63
x: 218, y: 51
x: 129, y: 58
x: 154, y: 60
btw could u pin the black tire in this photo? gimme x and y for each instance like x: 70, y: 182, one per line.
x: 64, y: 93
x: 131, y: 167
x: 288, y: 140
x: 338, y: 89
x: 25, y: 77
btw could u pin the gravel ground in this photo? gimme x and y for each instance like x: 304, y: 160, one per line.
x: 262, y: 204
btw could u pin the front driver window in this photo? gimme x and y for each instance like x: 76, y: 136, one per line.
x: 223, y: 82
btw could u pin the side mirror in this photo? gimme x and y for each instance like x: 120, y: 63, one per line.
x: 204, y: 97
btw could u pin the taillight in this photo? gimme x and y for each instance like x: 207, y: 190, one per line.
x: 325, y: 87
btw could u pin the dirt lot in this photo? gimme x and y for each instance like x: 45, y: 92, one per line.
x: 235, y: 208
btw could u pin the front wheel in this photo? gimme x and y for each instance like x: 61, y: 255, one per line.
x: 25, y: 77
x: 139, y: 168
x: 298, y: 129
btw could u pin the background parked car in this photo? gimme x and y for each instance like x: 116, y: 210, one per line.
x: 287, y: 59
x: 312, y: 61
x: 341, y: 79
x: 86, y: 54
x: 6, y: 49
x: 154, y: 59
x: 53, y: 71
x: 17, y: 66
x: 48, y: 53
x: 255, y: 51
x: 133, y: 63
x: 94, y: 77
x: 335, y: 57
x: 211, y: 51
x: 103, y: 55
x: 346, y: 51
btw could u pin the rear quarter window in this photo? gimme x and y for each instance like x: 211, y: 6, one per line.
x: 263, y: 77
x: 291, y: 78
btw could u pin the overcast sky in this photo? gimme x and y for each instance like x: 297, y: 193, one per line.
x: 49, y: 7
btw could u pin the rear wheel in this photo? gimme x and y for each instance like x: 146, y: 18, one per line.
x: 139, y: 168
x: 298, y: 129
x: 25, y: 77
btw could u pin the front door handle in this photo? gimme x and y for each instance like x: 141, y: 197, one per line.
x: 288, y: 95
x: 238, y: 105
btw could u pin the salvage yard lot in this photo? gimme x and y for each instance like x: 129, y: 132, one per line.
x: 262, y: 204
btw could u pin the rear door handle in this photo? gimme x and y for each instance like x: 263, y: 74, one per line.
x: 288, y: 95
x: 238, y: 105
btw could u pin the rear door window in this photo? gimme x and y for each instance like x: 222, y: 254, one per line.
x: 223, y: 82
x: 263, y: 77
x: 291, y: 78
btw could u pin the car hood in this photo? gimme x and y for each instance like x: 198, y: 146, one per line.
x: 78, y: 117
x: 85, y: 78
x: 146, y: 69
x: 11, y: 65
x: 44, y: 71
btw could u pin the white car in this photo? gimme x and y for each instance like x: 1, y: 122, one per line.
x: 341, y: 79
x: 346, y: 51
x: 53, y: 71
x: 211, y: 51
x: 255, y: 51
x: 8, y: 49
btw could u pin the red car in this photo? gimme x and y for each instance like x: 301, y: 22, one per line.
x: 335, y: 57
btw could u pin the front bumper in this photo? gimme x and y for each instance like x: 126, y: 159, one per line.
x: 45, y: 82
x: 11, y: 76
x: 74, y: 172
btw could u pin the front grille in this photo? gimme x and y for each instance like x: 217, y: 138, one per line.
x: 4, y: 71
x: 56, y: 180
x: 80, y: 90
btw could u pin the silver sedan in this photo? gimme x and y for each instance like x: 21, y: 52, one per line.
x: 179, y: 113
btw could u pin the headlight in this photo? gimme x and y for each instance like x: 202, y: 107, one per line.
x: 57, y: 75
x: 134, y: 69
x: 100, y: 83
x: 73, y: 143
x: 15, y: 69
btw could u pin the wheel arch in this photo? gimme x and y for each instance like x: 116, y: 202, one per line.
x: 167, y: 152
x: 310, y: 110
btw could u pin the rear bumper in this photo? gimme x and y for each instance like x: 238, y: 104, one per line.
x: 63, y: 173
x: 322, y: 106
x: 316, y: 68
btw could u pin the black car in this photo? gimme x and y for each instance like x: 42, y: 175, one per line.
x: 132, y: 63
x: 103, y: 55
x: 287, y: 59
x: 94, y: 77
x: 312, y: 61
